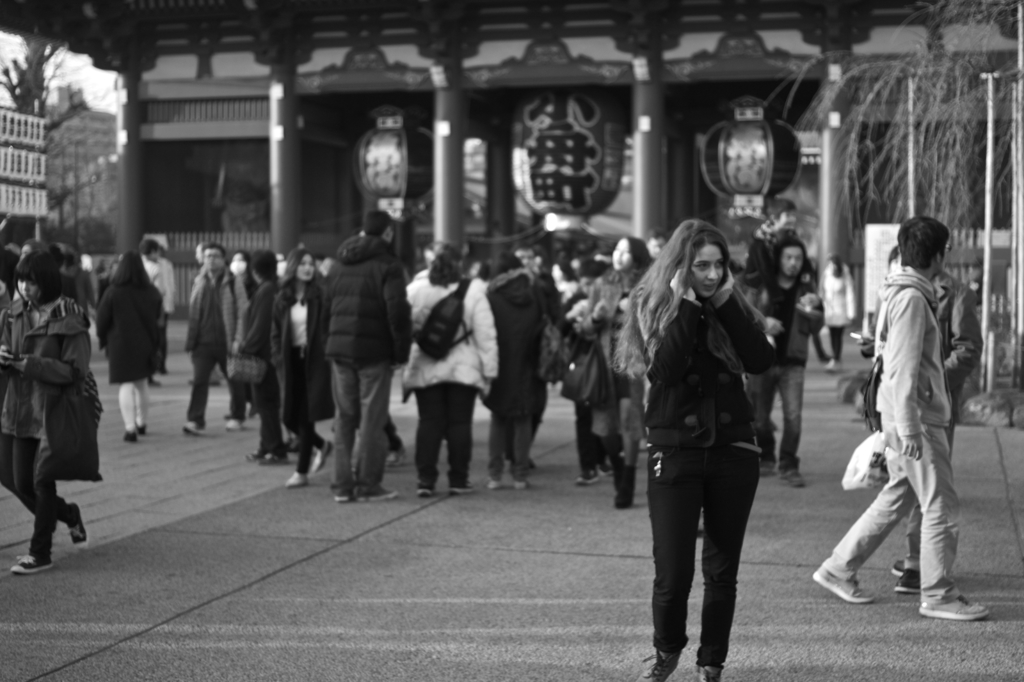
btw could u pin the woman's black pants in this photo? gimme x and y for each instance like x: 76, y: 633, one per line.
x: 682, y: 481
x: 17, y: 474
x: 308, y: 437
x: 446, y: 414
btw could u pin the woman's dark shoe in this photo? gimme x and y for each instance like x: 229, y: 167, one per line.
x: 140, y: 429
x: 618, y: 464
x: 131, y: 437
x: 624, y: 493
x: 662, y: 665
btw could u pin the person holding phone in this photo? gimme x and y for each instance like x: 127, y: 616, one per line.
x: 694, y: 337
x: 44, y: 344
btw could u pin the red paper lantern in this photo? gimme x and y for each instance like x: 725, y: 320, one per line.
x: 568, y: 151
x: 750, y: 157
x: 395, y: 160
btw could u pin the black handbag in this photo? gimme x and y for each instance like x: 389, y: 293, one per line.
x: 69, y: 451
x: 248, y: 369
x: 586, y: 378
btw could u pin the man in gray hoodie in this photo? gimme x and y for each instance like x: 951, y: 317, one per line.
x: 913, y: 399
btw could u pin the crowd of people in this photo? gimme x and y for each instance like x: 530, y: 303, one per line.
x: 677, y: 350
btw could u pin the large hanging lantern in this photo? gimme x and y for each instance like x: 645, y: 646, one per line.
x: 749, y: 158
x: 567, y: 151
x: 395, y: 161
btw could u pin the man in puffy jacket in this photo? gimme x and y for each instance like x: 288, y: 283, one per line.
x: 369, y: 333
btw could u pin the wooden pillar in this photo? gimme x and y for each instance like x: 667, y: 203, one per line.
x: 501, y: 200
x: 285, y: 160
x: 834, y: 223
x: 449, y: 136
x: 129, y: 147
x: 648, y: 145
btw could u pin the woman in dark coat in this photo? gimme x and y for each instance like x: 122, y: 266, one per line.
x: 297, y: 344
x: 126, y: 324
x: 517, y: 392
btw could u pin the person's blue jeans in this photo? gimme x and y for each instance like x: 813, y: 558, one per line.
x: 362, y: 396
x: 681, y: 481
x: 788, y: 382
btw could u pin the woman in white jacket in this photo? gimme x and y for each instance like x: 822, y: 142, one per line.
x: 839, y: 296
x: 446, y: 388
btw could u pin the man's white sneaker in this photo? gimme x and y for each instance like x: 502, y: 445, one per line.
x: 494, y: 484
x: 961, y: 609
x: 233, y: 425
x: 297, y: 481
x: 847, y: 590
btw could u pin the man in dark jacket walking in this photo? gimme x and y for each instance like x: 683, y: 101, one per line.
x: 794, y: 313
x: 369, y: 333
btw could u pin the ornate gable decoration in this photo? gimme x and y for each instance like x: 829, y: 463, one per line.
x: 364, y: 68
x: 739, y: 55
x: 548, y: 61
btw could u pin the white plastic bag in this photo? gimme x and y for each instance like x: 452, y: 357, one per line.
x: 867, y: 467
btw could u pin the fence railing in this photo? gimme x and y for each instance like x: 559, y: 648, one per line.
x: 24, y: 201
x: 22, y: 165
x: 22, y: 129
x: 232, y: 241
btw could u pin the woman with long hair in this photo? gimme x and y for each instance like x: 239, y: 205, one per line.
x: 839, y: 296
x: 45, y: 346
x: 127, y: 327
x: 619, y: 422
x: 446, y: 388
x: 297, y: 347
x: 694, y: 337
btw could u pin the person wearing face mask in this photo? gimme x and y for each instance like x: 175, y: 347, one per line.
x: 619, y: 422
x: 45, y: 345
x: 694, y: 337
x: 297, y: 347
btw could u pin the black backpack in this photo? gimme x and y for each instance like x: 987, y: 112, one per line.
x: 439, y: 334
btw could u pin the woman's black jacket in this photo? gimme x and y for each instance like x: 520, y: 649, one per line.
x: 695, y: 400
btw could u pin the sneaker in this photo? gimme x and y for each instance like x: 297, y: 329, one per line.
x: 909, y: 582
x: 297, y: 481
x: 709, y: 673
x: 465, y: 489
x: 79, y: 538
x: 588, y: 478
x: 520, y: 485
x: 131, y: 437
x: 424, y: 491
x: 396, y: 457
x: 604, y: 469
x: 898, y: 567
x: 28, y: 564
x: 662, y: 665
x: 320, y: 458
x: 233, y: 425
x: 793, y: 478
x: 494, y: 484
x: 193, y: 429
x: 378, y: 494
x: 847, y: 590
x: 767, y: 468
x: 961, y: 609
x: 273, y: 460
x: 344, y: 497
x: 257, y: 456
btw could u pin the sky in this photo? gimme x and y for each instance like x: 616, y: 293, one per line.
x: 97, y: 85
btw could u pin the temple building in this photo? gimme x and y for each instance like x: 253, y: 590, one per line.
x: 269, y: 123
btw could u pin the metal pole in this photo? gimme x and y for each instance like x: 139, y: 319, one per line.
x: 911, y: 205
x: 1018, y: 257
x: 986, y: 286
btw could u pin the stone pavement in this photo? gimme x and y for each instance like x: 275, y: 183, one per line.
x: 203, y: 566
